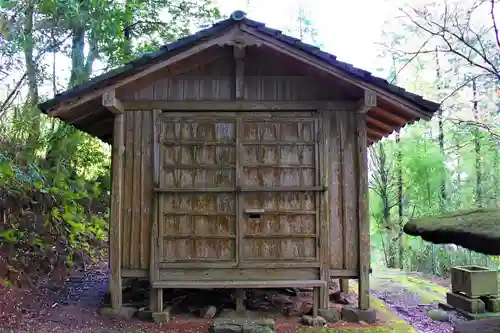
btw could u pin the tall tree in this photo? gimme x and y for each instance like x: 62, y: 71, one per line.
x: 303, y: 27
x: 478, y: 197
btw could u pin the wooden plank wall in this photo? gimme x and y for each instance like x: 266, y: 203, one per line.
x: 137, y: 190
x: 344, y: 230
x: 265, y: 80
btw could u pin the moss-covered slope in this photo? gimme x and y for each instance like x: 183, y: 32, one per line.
x: 477, y: 230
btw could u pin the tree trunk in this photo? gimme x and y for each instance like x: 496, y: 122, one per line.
x: 31, y: 112
x: 128, y: 22
x: 399, y: 170
x: 442, y: 187
x: 78, y: 69
x: 81, y: 69
x: 477, y: 148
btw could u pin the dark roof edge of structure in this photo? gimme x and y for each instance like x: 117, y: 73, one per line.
x: 236, y: 18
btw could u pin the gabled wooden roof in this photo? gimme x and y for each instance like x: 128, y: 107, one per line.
x: 396, y: 106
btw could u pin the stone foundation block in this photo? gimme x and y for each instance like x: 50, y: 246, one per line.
x: 258, y: 329
x: 331, y: 315
x: 209, y: 312
x: 353, y: 315
x: 317, y: 321
x: 472, y: 305
x: 145, y: 314
x: 492, y: 304
x: 161, y: 317
x: 478, y: 326
x: 126, y: 313
x: 225, y: 328
x: 242, y: 325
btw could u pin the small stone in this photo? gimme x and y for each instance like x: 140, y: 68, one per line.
x: 314, y: 321
x: 208, y: 312
x: 108, y: 312
x: 127, y: 313
x: 331, y: 315
x: 261, y: 329
x: 145, y: 314
x: 161, y: 317
x: 353, y: 315
x: 439, y: 315
x: 266, y: 322
x: 247, y: 322
x: 249, y: 328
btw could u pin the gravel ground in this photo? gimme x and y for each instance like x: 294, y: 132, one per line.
x: 408, y: 307
x: 411, y: 296
x: 74, y: 307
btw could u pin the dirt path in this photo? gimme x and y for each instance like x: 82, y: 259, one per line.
x: 410, y: 296
x: 400, y: 298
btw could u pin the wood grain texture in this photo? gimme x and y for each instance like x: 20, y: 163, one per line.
x: 116, y: 216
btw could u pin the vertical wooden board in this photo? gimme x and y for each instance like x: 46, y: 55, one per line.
x: 116, y: 212
x: 142, y: 247
x: 350, y: 182
x: 285, y: 227
x: 147, y: 187
x: 363, y: 214
x: 324, y: 219
x: 335, y: 152
x: 127, y: 190
x: 279, y: 88
x: 154, y: 271
x: 239, y: 202
x: 197, y: 151
x: 135, y: 236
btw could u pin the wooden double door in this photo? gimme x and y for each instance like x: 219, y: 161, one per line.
x: 237, y: 188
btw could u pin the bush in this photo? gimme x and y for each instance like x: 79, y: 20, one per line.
x: 50, y: 220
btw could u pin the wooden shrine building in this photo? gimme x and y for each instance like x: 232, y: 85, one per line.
x: 239, y: 160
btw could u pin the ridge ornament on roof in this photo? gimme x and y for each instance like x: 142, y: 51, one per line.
x: 238, y: 15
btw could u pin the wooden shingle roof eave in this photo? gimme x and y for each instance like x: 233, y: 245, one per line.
x: 426, y: 107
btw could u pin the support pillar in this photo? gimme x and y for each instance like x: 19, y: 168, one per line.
x: 114, y: 105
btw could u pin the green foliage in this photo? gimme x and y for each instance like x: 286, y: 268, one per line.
x: 451, y: 162
x: 53, y: 219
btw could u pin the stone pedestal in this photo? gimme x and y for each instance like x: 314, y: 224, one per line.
x: 474, y: 281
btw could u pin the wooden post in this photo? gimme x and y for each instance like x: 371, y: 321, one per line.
x: 239, y: 77
x: 114, y: 105
x: 324, y: 198
x: 115, y: 217
x: 363, y: 216
x: 368, y: 102
x: 344, y: 285
x: 316, y: 301
x: 155, y: 294
x: 239, y: 296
